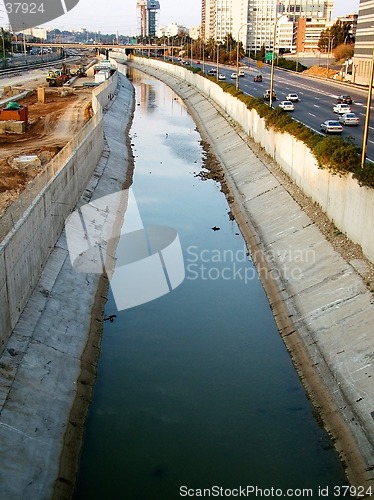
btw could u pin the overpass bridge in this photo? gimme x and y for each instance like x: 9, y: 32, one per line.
x: 99, y: 46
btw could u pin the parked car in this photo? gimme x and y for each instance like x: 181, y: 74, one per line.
x: 221, y: 76
x: 292, y: 97
x: 331, y: 127
x: 346, y: 99
x: 341, y: 108
x: 267, y: 95
x: 287, y: 105
x: 349, y: 119
x: 257, y: 78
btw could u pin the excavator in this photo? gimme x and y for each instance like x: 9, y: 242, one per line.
x: 57, y: 78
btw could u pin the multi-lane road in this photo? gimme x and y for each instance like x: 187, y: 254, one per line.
x: 316, y: 98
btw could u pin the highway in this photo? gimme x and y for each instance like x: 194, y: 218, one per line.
x: 316, y: 98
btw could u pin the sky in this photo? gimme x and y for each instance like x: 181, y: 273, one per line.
x: 111, y: 16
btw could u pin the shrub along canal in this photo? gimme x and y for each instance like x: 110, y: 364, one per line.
x: 196, y: 389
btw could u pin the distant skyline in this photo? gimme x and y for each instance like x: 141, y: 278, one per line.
x: 121, y: 15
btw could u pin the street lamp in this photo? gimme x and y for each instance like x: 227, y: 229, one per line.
x: 329, y: 48
x: 237, y: 55
x: 367, y: 116
x: 272, y: 62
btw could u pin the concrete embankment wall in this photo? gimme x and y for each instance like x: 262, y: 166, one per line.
x: 348, y: 205
x: 25, y: 249
x: 322, y: 307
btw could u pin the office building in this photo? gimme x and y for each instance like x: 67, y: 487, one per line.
x: 290, y: 16
x: 253, y: 21
x: 148, y: 10
x: 364, y: 45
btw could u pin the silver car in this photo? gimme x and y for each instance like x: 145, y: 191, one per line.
x: 349, y: 119
x: 331, y: 127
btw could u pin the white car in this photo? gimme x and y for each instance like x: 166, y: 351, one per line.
x: 221, y: 76
x: 349, y: 119
x: 292, y: 97
x: 233, y: 75
x: 341, y: 108
x: 331, y: 127
x: 241, y: 72
x: 287, y: 105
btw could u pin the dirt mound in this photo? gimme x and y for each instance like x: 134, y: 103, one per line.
x: 320, y: 71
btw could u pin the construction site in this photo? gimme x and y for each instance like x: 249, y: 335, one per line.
x: 39, y: 114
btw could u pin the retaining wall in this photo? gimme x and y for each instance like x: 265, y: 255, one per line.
x: 348, y: 205
x: 27, y: 246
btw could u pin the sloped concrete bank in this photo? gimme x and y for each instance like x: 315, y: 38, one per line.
x: 323, y: 309
x: 47, y: 369
x: 345, y: 202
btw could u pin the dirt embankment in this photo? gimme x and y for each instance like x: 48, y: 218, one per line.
x: 51, y: 125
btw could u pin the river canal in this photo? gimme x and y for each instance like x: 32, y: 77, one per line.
x: 195, y: 389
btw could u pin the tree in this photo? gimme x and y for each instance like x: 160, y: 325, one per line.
x: 338, y: 34
x: 344, y: 51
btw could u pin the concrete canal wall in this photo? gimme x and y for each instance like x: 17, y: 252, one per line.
x: 47, y: 369
x: 322, y: 307
x: 30, y: 240
x: 348, y: 205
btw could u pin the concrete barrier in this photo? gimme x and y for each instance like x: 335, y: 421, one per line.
x: 27, y: 246
x: 348, y: 205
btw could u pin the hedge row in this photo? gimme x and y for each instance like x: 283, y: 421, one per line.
x: 336, y: 154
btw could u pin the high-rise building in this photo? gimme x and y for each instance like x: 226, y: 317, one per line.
x: 364, y: 45
x: 148, y: 10
x: 254, y: 22
x: 264, y: 14
x: 222, y: 17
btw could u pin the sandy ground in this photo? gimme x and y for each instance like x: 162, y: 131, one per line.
x: 51, y: 125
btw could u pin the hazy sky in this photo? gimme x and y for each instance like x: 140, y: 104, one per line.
x: 111, y: 16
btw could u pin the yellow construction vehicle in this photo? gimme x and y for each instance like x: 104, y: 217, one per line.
x: 57, y: 78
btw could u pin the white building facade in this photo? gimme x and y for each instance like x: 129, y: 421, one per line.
x: 253, y: 21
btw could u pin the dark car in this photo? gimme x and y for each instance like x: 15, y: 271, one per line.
x: 257, y: 78
x: 344, y: 99
x: 267, y: 95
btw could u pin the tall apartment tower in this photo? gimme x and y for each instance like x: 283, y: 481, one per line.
x: 222, y: 17
x: 364, y: 45
x: 148, y: 10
